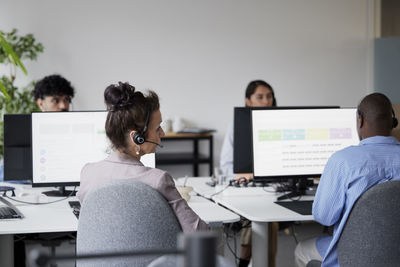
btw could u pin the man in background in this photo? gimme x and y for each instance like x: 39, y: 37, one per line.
x: 53, y: 93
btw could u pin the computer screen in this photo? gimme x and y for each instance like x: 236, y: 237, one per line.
x: 242, y: 134
x: 17, y: 147
x: 296, y: 143
x: 63, y: 142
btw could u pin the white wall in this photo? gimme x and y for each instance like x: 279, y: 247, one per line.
x: 200, y: 55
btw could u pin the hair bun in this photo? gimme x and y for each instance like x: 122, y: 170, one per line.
x: 119, y: 96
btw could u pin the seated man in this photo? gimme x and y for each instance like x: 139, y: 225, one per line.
x: 349, y: 173
x: 53, y: 93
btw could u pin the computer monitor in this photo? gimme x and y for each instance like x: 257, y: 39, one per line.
x: 17, y: 147
x: 296, y: 143
x: 242, y: 150
x: 63, y: 142
x: 242, y: 136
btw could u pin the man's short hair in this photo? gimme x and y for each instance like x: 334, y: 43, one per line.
x: 53, y: 85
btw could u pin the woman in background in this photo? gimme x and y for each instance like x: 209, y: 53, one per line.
x: 133, y: 127
x: 258, y: 94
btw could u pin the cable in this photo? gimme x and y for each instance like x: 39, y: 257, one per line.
x: 294, y: 235
x: 216, y: 193
x: 270, y: 191
x: 246, y: 224
x: 18, y: 238
x: 227, y: 237
x: 296, y: 199
x: 42, y: 203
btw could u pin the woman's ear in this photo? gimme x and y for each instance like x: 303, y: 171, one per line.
x: 132, y: 136
x: 134, y: 145
x: 247, y: 102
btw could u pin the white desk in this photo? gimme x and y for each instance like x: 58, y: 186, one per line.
x: 256, y: 205
x: 58, y: 217
x: 211, y: 213
x: 49, y: 218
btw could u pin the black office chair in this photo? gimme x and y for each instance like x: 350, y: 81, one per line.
x: 371, y: 236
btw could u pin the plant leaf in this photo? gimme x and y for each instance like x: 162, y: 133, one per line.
x: 4, y: 91
x: 9, y: 51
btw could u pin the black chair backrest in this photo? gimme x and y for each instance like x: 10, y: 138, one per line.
x: 371, y: 236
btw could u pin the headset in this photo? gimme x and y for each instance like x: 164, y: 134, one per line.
x: 139, y: 137
x: 395, y: 121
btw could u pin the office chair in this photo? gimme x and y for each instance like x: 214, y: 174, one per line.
x: 125, y: 215
x: 176, y: 261
x: 371, y: 236
x: 314, y: 263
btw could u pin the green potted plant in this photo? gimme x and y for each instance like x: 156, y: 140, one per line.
x: 15, y: 48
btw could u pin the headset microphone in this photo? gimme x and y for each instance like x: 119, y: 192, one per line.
x: 139, y: 137
x: 154, y: 143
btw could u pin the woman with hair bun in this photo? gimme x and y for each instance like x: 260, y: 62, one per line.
x: 133, y: 127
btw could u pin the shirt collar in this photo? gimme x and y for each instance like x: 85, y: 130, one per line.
x: 119, y: 157
x: 380, y: 140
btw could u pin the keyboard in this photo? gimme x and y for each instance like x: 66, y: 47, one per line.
x: 76, y: 207
x: 9, y: 213
x: 8, y: 210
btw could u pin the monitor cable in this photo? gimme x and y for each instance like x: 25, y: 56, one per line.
x: 219, y: 192
x: 42, y: 203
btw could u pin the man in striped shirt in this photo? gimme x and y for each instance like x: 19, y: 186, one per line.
x: 349, y: 173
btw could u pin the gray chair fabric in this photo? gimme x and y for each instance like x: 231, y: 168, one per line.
x: 371, y: 236
x: 125, y: 215
x: 175, y: 261
x: 314, y: 263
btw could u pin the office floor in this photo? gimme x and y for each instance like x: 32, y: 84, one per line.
x: 66, y: 247
x: 286, y: 243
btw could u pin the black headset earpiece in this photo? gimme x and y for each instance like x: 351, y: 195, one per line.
x: 139, y: 137
x: 395, y: 121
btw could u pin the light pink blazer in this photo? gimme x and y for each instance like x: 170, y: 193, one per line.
x: 121, y: 166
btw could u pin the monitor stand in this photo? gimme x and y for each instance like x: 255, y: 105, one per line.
x: 297, y: 187
x: 60, y: 192
x: 4, y: 189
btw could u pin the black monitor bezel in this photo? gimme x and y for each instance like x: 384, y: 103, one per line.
x: 8, y: 174
x: 287, y: 177
x: 57, y: 184
x: 240, y: 154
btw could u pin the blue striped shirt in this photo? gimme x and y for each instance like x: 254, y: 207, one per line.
x: 347, y: 174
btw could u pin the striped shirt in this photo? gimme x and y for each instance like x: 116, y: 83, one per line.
x: 347, y: 174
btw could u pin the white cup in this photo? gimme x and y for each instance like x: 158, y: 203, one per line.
x: 185, y: 191
x: 167, y: 125
x: 177, y: 124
